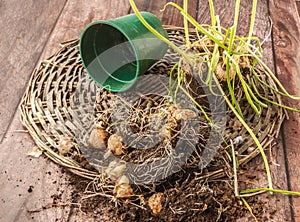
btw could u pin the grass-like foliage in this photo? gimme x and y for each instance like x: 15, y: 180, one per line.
x: 227, y: 55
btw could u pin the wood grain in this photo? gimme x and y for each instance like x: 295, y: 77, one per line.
x: 29, y: 186
x: 18, y: 172
x: 286, y: 34
x: 25, y: 28
x: 77, y: 15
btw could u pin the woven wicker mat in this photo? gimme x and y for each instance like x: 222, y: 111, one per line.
x: 47, y: 111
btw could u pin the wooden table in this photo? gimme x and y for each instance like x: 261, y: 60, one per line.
x: 32, y: 30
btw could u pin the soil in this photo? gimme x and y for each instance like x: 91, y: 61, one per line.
x: 189, y: 201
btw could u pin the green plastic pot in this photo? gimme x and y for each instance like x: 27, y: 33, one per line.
x: 115, y: 52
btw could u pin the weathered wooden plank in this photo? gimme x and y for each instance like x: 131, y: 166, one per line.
x: 276, y: 207
x: 287, y: 53
x: 47, y: 180
x: 26, y: 183
x: 25, y: 28
x: 35, y: 189
x: 75, y: 16
x: 169, y: 16
x: 152, y: 6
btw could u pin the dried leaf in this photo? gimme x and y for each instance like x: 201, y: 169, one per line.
x: 34, y: 152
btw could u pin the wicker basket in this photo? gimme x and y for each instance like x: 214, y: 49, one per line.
x: 47, y: 111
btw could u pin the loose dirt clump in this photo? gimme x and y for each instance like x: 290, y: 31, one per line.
x: 190, y: 200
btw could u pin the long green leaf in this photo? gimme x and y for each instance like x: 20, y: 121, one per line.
x: 212, y: 12
x: 196, y: 24
x: 249, y: 208
x: 272, y: 102
x: 235, y: 24
x: 156, y: 33
x: 272, y: 75
x: 253, y: 136
x: 286, y: 192
x: 186, y: 26
x: 253, y: 13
